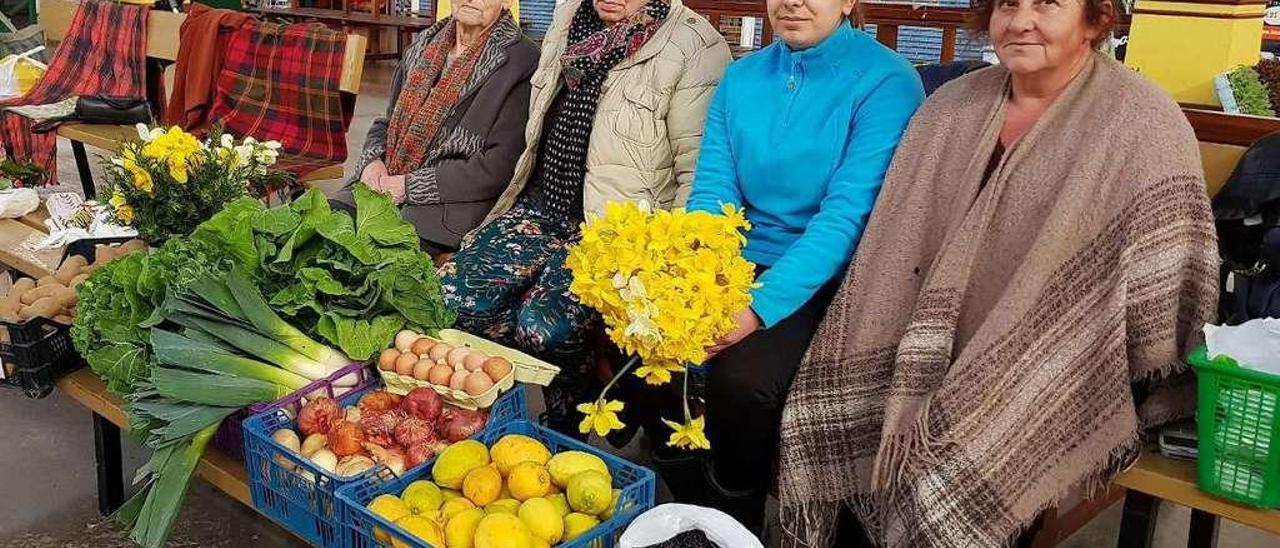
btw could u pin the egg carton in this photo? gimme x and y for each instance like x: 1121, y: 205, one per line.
x: 524, y: 368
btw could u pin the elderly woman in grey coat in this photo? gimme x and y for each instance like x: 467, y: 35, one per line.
x: 454, y: 128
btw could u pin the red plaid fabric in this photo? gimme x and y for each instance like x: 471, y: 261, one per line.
x: 104, y: 53
x: 280, y: 82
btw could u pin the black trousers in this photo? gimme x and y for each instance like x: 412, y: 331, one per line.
x: 747, y: 387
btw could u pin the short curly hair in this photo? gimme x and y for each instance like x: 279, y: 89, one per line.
x: 1099, y: 13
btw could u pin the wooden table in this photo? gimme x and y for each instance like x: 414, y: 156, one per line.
x: 1155, y: 478
x: 17, y: 245
x: 223, y: 472
x: 401, y: 24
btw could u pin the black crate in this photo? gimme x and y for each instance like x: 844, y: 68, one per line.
x: 39, y: 351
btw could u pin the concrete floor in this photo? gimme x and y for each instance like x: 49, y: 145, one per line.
x: 48, y: 484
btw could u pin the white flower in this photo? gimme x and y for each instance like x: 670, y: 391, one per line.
x: 273, y: 145
x: 265, y: 155
x: 244, y: 153
x: 148, y: 134
x: 228, y: 141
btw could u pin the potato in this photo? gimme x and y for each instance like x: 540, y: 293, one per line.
x: 9, y: 310
x: 75, y: 282
x: 70, y: 268
x: 22, y: 286
x: 64, y: 295
x: 46, y: 308
x: 103, y: 254
x: 46, y: 281
x: 41, y: 292
x: 133, y: 245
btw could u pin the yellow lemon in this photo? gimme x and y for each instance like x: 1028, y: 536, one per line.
x: 613, y: 505
x: 461, y: 530
x: 424, y: 529
x: 560, y: 502
x: 502, y: 531
x: 422, y: 496
x: 482, y: 485
x: 446, y: 494
x: 590, y: 492
x: 503, y: 506
x: 576, y: 524
x: 458, y: 459
x: 535, y: 542
x: 454, y: 506
x: 390, y: 508
x: 513, y: 449
x: 564, y: 466
x: 542, y: 519
x: 528, y: 480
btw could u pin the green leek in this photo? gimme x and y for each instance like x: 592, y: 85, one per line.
x: 174, y: 349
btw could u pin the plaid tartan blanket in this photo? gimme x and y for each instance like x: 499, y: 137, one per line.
x: 104, y: 53
x: 280, y: 82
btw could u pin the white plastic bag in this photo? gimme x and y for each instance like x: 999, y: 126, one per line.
x: 17, y: 202
x: 664, y: 522
x: 1254, y: 344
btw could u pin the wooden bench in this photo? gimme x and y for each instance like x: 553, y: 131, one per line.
x: 162, y: 45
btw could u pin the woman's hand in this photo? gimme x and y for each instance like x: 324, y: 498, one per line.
x: 393, y: 185
x: 372, y: 172
x: 747, y: 323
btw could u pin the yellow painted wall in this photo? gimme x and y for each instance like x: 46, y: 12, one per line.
x: 443, y: 10
x: 1182, y: 53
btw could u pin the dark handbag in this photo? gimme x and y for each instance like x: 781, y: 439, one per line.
x: 92, y: 109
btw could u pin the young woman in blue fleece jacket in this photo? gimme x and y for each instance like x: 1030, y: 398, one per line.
x: 800, y: 135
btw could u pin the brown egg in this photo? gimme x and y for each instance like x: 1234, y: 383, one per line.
x: 456, y: 357
x: 497, y: 368
x: 439, y: 351
x: 458, y: 380
x: 421, y: 370
x: 422, y: 346
x: 440, y: 374
x: 387, y: 361
x: 477, y: 383
x: 405, y: 363
x: 474, y: 361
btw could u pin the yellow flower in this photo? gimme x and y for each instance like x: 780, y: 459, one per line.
x: 124, y: 213
x: 142, y: 181
x: 658, y: 373
x: 117, y: 200
x: 688, y: 436
x: 601, y: 416
x: 178, y: 170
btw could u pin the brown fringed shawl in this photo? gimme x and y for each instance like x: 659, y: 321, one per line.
x: 990, y: 346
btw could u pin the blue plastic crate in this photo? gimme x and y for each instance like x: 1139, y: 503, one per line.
x: 636, y: 482
x: 299, y: 496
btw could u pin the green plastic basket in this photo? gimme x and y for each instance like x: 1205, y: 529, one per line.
x: 1239, y: 430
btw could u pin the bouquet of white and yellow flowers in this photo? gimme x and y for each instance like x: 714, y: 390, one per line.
x: 667, y: 284
x: 167, y: 181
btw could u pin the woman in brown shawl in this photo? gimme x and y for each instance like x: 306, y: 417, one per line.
x: 1040, y: 256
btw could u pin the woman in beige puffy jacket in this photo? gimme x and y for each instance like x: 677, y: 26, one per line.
x: 615, y: 114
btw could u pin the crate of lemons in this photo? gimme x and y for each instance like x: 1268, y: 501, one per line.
x: 516, y: 493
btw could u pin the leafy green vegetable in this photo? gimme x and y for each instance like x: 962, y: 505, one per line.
x: 352, y: 283
x: 1251, y: 95
x: 117, y: 304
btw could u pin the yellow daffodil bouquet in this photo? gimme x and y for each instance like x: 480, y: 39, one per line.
x: 667, y: 284
x: 167, y: 181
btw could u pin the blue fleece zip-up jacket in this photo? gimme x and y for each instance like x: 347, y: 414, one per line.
x: 801, y: 139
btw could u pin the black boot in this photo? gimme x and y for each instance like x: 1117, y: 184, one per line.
x: 683, y: 473
x: 746, y: 506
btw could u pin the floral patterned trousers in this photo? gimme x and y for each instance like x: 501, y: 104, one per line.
x: 509, y: 284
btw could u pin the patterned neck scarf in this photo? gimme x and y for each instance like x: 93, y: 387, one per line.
x: 594, y: 48
x: 424, y: 103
